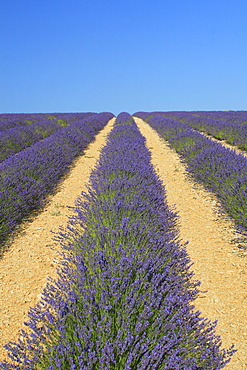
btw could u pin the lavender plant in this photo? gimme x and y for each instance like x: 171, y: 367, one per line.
x: 226, y: 116
x: 124, y: 295
x: 228, y: 126
x: 219, y: 169
x: 10, y: 120
x: 15, y: 139
x: 27, y: 177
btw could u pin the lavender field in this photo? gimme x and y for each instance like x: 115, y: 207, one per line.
x: 219, y: 169
x: 28, y: 175
x: 125, y: 294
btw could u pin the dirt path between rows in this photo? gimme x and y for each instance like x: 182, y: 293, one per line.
x: 223, y: 143
x: 217, y: 264
x: 24, y: 269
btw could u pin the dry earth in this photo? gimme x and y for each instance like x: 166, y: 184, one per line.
x: 224, y: 143
x: 24, y: 269
x: 218, y: 264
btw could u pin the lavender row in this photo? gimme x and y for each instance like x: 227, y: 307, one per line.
x: 8, y: 121
x: 27, y: 177
x: 238, y: 117
x: 226, y: 116
x: 124, y: 293
x: 233, y: 131
x: 12, y: 120
x: 40, y: 126
x: 219, y: 169
x: 15, y: 139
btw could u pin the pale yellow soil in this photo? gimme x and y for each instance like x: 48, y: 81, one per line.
x: 24, y: 269
x: 218, y: 263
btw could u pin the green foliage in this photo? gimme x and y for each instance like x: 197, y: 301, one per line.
x: 185, y: 143
x: 62, y: 122
x: 28, y: 121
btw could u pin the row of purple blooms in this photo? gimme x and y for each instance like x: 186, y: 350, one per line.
x: 19, y: 134
x: 11, y: 120
x: 124, y: 295
x: 219, y: 169
x: 15, y: 139
x: 27, y: 177
x: 238, y: 117
x: 227, y: 116
x: 234, y: 131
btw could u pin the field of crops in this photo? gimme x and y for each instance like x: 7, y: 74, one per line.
x: 27, y: 176
x: 219, y: 169
x: 125, y: 294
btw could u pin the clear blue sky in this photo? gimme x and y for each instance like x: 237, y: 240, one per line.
x: 122, y: 55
